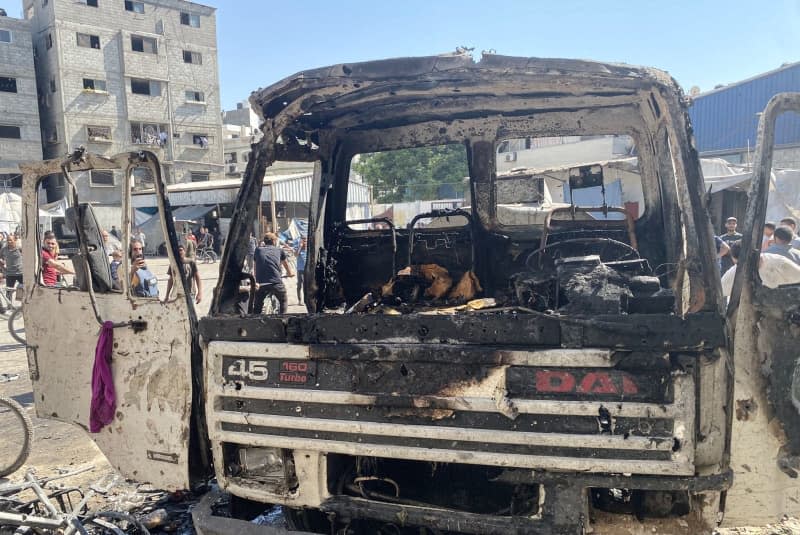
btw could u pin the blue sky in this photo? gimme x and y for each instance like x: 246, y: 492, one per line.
x: 699, y: 43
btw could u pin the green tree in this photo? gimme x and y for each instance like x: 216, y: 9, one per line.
x: 418, y: 174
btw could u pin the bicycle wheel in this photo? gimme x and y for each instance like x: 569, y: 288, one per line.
x: 6, y: 305
x: 17, y: 436
x: 271, y: 305
x: 213, y: 257
x: 16, y: 326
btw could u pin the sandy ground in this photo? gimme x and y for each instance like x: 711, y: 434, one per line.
x: 60, y: 446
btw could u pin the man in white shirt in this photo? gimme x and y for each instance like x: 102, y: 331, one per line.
x: 774, y: 269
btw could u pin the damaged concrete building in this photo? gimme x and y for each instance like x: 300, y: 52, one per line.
x: 20, y: 138
x: 131, y: 75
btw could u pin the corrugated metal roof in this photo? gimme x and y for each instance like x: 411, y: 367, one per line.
x: 727, y: 118
x: 288, y: 188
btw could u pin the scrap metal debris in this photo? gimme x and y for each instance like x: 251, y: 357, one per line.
x: 45, y: 504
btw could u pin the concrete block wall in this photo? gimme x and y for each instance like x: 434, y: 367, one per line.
x: 20, y: 108
x: 116, y: 63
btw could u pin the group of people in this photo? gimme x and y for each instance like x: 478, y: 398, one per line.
x: 268, y: 260
x: 779, y: 262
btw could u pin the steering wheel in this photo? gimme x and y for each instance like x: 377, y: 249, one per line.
x: 627, y: 251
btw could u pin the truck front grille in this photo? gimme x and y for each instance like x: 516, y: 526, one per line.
x: 571, y: 423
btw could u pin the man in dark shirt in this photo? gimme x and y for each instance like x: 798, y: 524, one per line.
x: 268, y: 261
x: 726, y: 262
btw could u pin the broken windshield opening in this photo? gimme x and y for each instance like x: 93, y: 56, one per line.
x: 409, y: 182
x: 597, y: 174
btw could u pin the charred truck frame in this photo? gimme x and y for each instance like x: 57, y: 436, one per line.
x: 509, y: 366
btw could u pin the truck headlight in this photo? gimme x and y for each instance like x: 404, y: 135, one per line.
x: 272, y: 467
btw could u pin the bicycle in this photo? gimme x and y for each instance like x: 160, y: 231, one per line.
x: 9, y: 304
x: 207, y: 255
x: 12, y: 309
x: 17, y: 436
x: 272, y: 304
x: 16, y: 326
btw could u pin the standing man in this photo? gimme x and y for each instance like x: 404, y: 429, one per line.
x: 792, y: 224
x: 191, y: 245
x: 143, y: 282
x: 268, y: 262
x: 115, y: 232
x: 191, y: 273
x: 109, y: 245
x: 251, y: 253
x: 11, y: 261
x: 767, y: 240
x: 783, y: 244
x: 139, y: 236
x: 300, y: 252
x: 51, y: 267
x: 726, y: 262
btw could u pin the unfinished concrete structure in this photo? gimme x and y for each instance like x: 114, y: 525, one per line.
x: 132, y: 75
x: 20, y: 138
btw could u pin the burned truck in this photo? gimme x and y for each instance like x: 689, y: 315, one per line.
x: 536, y: 342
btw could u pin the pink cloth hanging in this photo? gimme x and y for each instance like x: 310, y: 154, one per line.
x: 104, y: 399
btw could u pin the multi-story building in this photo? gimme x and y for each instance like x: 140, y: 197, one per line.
x: 240, y: 130
x: 119, y: 75
x: 20, y: 137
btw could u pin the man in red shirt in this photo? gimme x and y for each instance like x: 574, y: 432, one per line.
x: 50, y: 266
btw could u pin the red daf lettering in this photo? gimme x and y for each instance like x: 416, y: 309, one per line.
x: 628, y: 386
x: 553, y: 381
x: 597, y: 383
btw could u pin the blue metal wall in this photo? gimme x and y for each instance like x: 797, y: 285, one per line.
x: 726, y: 119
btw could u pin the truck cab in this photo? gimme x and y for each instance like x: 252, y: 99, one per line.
x: 524, y: 334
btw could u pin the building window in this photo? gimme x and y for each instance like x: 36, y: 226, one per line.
x: 101, y: 178
x: 9, y: 131
x: 187, y: 19
x: 230, y: 157
x: 52, y: 85
x: 201, y: 140
x: 11, y: 180
x: 149, y: 134
x: 48, y: 41
x: 136, y: 7
x: 199, y: 177
x: 100, y: 134
x: 5, y: 36
x: 192, y: 57
x: 144, y: 44
x: 89, y: 41
x: 92, y: 3
x: 245, y: 157
x: 89, y: 84
x: 195, y: 96
x: 145, y: 87
x: 8, y: 85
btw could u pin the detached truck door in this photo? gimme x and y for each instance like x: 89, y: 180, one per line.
x: 148, y: 437
x: 765, y: 437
